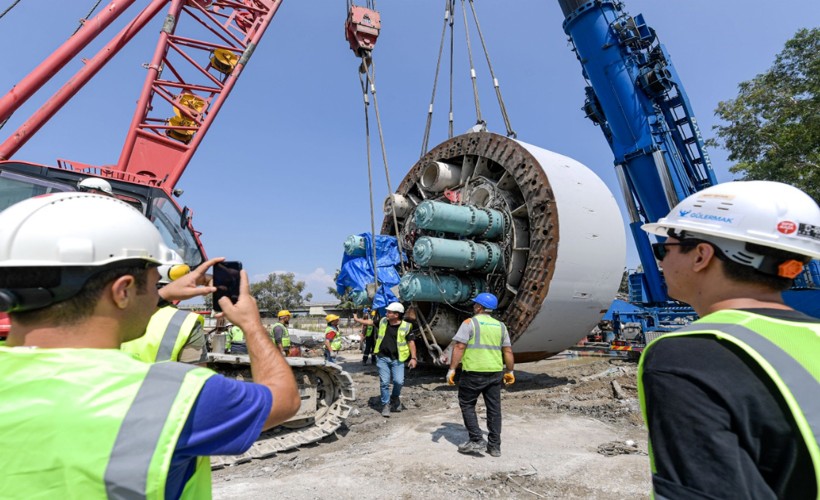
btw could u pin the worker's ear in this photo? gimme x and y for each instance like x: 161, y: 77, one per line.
x: 704, y: 254
x: 123, y: 290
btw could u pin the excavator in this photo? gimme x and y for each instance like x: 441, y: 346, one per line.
x: 203, y: 47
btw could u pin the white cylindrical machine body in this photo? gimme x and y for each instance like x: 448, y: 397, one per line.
x: 591, y: 256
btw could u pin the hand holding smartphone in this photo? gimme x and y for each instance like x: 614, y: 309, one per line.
x: 226, y: 281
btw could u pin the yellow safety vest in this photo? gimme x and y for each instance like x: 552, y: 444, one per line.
x: 401, y: 338
x: 166, y: 335
x: 483, y: 353
x: 787, y: 351
x: 285, y: 335
x: 336, y: 343
x: 93, y: 423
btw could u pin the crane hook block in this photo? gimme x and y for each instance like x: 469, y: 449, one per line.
x: 362, y: 29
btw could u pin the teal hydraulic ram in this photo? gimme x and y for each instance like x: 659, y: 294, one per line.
x: 462, y: 255
x: 460, y: 219
x: 447, y: 288
x: 354, y: 246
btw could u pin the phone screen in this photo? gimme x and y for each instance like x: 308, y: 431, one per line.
x: 226, y: 281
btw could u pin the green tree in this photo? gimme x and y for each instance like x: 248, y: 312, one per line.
x: 279, y: 291
x: 345, y: 300
x: 772, y: 128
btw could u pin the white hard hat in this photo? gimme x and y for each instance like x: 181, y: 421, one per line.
x: 395, y: 307
x: 77, y: 229
x: 766, y: 213
x: 95, y: 183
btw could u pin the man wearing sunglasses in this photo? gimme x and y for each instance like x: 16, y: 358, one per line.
x: 731, y: 401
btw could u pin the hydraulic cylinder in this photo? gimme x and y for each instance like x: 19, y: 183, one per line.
x: 462, y: 255
x: 463, y: 220
x: 448, y: 288
x: 354, y: 246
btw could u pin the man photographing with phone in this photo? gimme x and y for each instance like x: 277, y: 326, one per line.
x: 78, y: 276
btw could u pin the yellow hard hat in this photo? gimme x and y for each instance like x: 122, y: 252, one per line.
x: 283, y: 312
x: 331, y: 317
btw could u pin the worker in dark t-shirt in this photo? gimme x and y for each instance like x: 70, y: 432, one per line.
x: 395, y: 345
x: 730, y: 401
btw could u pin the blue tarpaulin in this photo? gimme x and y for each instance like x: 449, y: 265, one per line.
x: 357, y: 272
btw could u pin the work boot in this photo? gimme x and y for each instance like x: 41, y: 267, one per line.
x: 364, y: 360
x: 386, y: 410
x: 493, y: 452
x: 395, y: 404
x: 472, y: 447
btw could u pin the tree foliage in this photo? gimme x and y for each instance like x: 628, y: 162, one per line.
x: 279, y: 291
x: 345, y: 301
x: 772, y: 128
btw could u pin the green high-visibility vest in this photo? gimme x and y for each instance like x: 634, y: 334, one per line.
x: 401, y: 338
x: 336, y: 343
x: 787, y: 351
x: 93, y: 423
x: 483, y: 353
x: 285, y: 335
x: 166, y: 335
x: 237, y: 335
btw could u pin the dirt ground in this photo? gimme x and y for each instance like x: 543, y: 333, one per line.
x: 566, y: 434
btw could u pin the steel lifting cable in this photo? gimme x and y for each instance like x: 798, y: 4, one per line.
x: 479, y: 120
x: 448, y: 19
x: 371, y: 80
x: 452, y: 48
x: 13, y: 5
x: 510, y: 132
x: 83, y: 20
x: 369, y: 173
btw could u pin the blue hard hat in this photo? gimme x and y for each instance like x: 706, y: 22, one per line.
x: 488, y: 300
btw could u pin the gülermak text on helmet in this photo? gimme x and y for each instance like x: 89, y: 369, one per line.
x: 732, y: 214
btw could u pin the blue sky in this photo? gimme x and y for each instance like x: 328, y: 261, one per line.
x: 281, y: 179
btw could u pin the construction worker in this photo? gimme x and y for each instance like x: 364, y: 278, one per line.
x: 731, y: 401
x: 82, y: 419
x: 237, y: 339
x: 173, y: 334
x: 368, y: 338
x: 395, y: 345
x: 482, y: 346
x: 95, y: 185
x: 333, y: 337
x: 281, y: 336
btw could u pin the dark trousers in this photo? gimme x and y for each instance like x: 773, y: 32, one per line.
x: 369, y: 346
x: 471, y: 385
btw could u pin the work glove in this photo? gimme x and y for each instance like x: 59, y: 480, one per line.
x: 509, y: 379
x: 451, y: 377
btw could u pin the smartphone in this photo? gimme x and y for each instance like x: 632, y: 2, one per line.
x: 226, y: 281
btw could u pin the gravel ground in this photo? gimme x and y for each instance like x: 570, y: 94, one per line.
x: 568, y: 432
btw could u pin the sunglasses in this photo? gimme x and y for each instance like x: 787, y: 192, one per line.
x: 660, y: 250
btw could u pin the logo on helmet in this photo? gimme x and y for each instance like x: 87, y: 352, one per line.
x: 786, y: 227
x: 709, y: 217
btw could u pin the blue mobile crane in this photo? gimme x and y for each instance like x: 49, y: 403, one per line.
x: 636, y: 97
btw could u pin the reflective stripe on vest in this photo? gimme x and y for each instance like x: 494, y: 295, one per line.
x: 166, y: 335
x: 483, y: 353
x: 401, y: 338
x: 127, y: 471
x: 285, y: 334
x: 114, y: 441
x: 797, y: 385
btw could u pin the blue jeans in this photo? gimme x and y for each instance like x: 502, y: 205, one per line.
x: 329, y: 356
x: 387, y: 368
